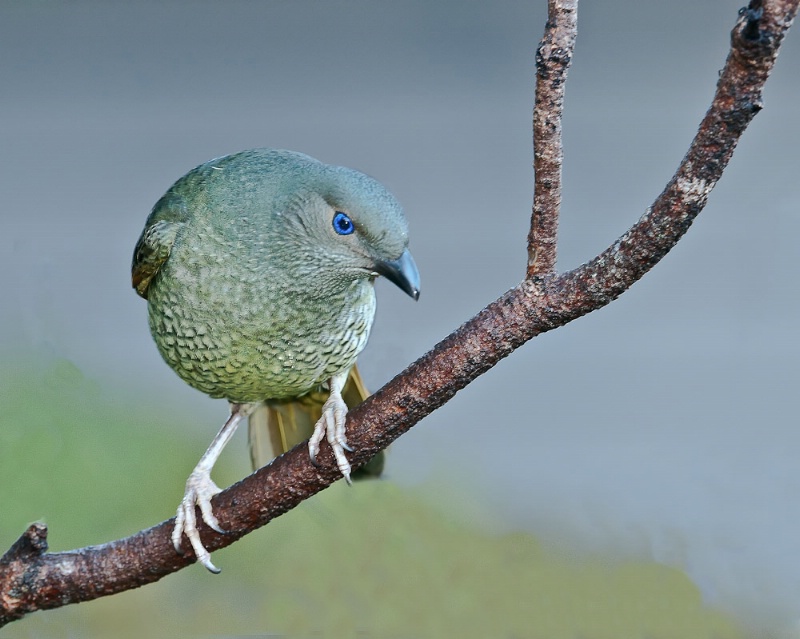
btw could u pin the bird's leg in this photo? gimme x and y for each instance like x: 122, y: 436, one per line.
x: 200, y: 488
x: 331, y: 426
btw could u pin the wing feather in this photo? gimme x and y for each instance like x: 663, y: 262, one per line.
x: 155, y: 243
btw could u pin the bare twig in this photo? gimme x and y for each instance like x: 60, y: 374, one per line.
x: 31, y: 579
x: 553, y: 58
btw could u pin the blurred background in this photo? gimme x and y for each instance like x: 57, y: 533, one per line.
x: 633, y: 473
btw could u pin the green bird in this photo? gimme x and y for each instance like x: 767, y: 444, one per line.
x: 258, y: 270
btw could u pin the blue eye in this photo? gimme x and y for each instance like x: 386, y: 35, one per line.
x: 342, y: 224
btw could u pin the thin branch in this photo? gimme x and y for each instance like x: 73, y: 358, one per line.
x: 31, y: 579
x: 553, y: 58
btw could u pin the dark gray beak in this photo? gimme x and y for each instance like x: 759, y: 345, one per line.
x: 403, y: 272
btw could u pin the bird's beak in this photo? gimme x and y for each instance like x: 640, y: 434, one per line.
x: 402, y: 271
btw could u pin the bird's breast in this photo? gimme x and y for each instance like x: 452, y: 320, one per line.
x: 236, y: 332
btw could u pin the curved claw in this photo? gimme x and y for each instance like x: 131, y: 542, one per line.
x: 313, y: 446
x: 204, y: 557
x: 209, y: 517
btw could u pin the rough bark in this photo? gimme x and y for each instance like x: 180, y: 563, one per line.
x: 32, y: 579
x: 553, y: 58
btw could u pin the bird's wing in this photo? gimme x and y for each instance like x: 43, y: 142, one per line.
x: 152, y: 250
x: 277, y: 427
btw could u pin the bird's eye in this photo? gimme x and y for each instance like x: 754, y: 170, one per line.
x: 342, y: 224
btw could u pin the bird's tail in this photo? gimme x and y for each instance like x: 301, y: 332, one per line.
x: 277, y: 427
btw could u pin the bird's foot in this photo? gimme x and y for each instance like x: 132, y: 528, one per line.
x: 199, y: 490
x: 331, y: 427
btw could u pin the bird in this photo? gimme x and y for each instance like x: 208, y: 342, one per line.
x: 258, y: 269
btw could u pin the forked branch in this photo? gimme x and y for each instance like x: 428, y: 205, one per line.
x: 32, y: 579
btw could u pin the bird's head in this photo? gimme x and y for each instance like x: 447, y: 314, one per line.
x: 346, y: 226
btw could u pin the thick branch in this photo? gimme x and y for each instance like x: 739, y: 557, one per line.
x: 553, y: 58
x: 31, y: 579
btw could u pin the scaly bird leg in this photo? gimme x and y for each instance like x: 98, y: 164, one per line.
x: 331, y: 426
x: 200, y: 489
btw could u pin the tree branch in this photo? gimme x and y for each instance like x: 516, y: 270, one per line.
x: 31, y: 579
x: 553, y: 58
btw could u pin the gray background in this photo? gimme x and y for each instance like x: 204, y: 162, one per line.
x: 662, y: 427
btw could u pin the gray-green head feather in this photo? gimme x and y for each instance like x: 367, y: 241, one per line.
x: 283, y: 203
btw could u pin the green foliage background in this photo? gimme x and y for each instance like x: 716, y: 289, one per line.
x: 374, y: 560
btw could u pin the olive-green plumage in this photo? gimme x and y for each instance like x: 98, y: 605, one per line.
x: 258, y: 269
x: 252, y: 294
